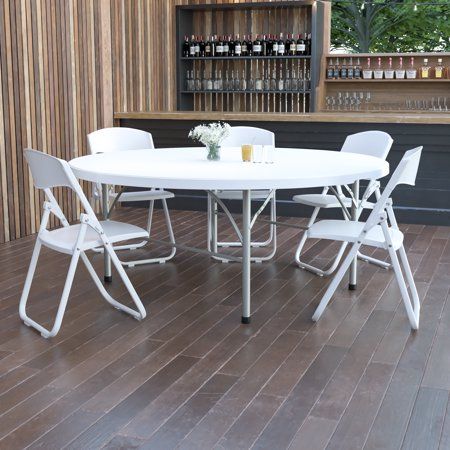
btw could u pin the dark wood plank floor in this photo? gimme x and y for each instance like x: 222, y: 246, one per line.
x: 191, y: 376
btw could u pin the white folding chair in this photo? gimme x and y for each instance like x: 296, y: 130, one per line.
x: 376, y: 232
x: 372, y: 143
x: 237, y: 137
x: 123, y: 139
x: 49, y: 172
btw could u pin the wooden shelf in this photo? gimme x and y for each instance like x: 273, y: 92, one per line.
x: 387, y: 55
x: 215, y: 58
x: 384, y: 80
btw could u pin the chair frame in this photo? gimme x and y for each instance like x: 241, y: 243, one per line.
x: 373, y: 188
x: 87, y: 219
x: 98, y: 192
x: 381, y: 213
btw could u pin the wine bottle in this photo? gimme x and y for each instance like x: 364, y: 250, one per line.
x: 292, y: 46
x: 281, y: 45
x: 197, y: 47
x: 264, y: 45
x: 300, y: 47
x: 367, y: 71
x: 192, y: 46
x: 244, y: 50
x: 219, y: 47
x: 231, y: 46
x: 350, y: 70
x: 237, y: 46
x: 389, y: 72
x: 257, y: 46
x: 344, y: 72
x: 186, y: 46
x: 378, y: 72
x: 330, y: 69
x: 281, y: 81
x: 400, y: 71
x: 308, y: 44
x: 275, y: 45
x: 202, y: 48
x: 249, y: 45
x: 411, y: 72
x: 337, y: 69
x: 207, y: 47
x: 357, y: 69
x: 226, y: 46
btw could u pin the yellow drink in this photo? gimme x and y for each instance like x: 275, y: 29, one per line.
x: 247, y: 152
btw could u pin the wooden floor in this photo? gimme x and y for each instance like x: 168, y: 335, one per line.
x: 191, y: 376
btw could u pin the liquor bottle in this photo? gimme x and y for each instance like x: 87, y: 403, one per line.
x: 300, y: 47
x: 269, y: 45
x: 264, y: 45
x: 237, y: 46
x: 273, y: 81
x: 378, y: 72
x: 308, y: 44
x: 411, y: 72
x: 389, y: 72
x: 197, y: 47
x: 307, y: 80
x: 287, y: 81
x: 244, y: 51
x: 266, y: 81
x: 281, y: 46
x: 351, y: 70
x: 231, y: 46
x: 258, y: 83
x: 439, y: 69
x: 425, y: 69
x: 292, y: 46
x: 367, y: 71
x: 213, y: 45
x: 344, y: 70
x: 243, y: 82
x: 219, y: 47
x: 281, y: 81
x: 207, y: 47
x: 188, y: 81
x: 197, y: 82
x: 294, y: 81
x: 330, y: 69
x: 257, y: 46
x: 192, y: 46
x: 275, y: 46
x: 337, y: 69
x: 186, y: 46
x: 249, y: 45
x: 357, y: 69
x: 226, y: 46
x: 205, y: 82
x: 400, y: 71
x: 202, y: 46
x: 210, y: 82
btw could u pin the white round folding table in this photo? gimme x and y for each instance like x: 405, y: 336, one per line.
x: 187, y: 168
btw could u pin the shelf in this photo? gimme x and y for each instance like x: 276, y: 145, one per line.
x: 217, y: 58
x: 246, y: 92
x: 384, y: 80
x: 387, y: 55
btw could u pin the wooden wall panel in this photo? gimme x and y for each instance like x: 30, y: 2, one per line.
x: 55, y: 87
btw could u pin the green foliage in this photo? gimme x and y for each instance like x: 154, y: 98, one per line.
x: 390, y: 26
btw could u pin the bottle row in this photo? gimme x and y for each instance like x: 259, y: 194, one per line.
x: 262, y: 45
x: 289, y: 81
x: 351, y: 71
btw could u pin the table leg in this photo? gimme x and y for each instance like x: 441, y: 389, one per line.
x: 105, y: 211
x: 353, y: 277
x: 246, y: 254
x: 214, y: 224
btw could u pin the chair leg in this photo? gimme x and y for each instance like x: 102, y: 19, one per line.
x: 412, y: 307
x: 141, y: 313
x: 335, y: 282
x: 377, y: 262
x: 64, y: 297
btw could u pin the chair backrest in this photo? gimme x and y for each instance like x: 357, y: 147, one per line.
x: 49, y: 172
x: 405, y: 173
x: 119, y: 139
x: 248, y: 135
x: 372, y: 143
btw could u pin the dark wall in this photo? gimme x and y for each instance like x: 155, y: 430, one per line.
x: 428, y: 202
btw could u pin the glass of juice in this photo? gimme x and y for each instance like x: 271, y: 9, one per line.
x: 247, y: 152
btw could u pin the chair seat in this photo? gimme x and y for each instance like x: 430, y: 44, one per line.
x: 64, y: 239
x: 325, y: 201
x: 349, y: 231
x: 237, y: 195
x: 139, y: 196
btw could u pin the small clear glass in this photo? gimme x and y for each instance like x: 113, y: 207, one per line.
x: 257, y: 154
x: 268, y: 154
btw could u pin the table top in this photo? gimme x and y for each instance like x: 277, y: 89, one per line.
x: 187, y: 168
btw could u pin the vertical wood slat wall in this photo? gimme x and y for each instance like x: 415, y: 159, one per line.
x: 65, y: 66
x: 55, y: 87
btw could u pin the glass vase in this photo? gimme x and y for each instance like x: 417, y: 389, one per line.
x: 213, y: 152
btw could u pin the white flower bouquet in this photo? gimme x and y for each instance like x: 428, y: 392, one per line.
x: 211, y: 136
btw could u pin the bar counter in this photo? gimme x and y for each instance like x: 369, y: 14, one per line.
x: 427, y: 203
x: 337, y: 116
